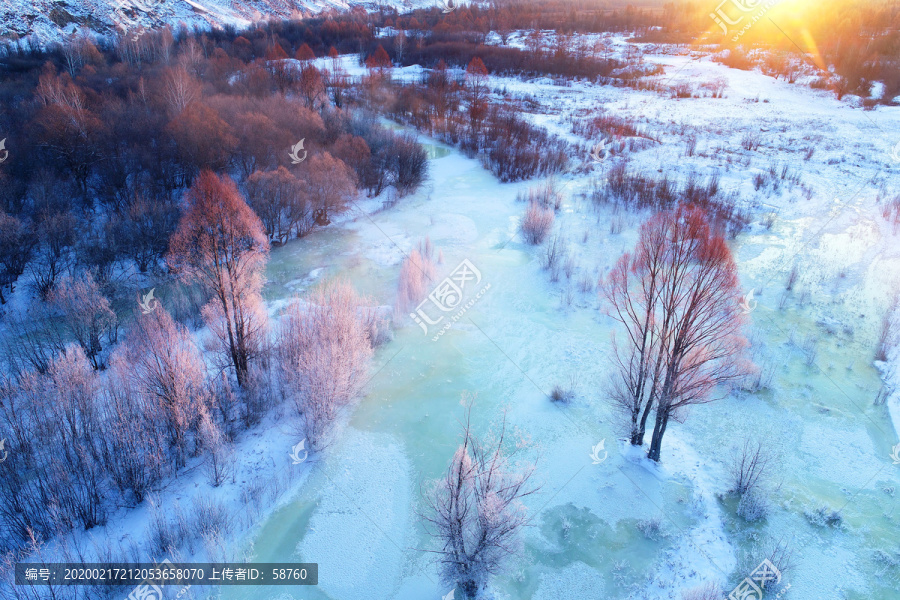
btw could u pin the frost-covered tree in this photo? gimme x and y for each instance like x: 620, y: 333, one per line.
x: 706, y: 591
x: 416, y: 276
x: 167, y: 369
x: 475, y: 512
x: 86, y: 314
x: 325, y: 349
x: 218, y: 452
x: 72, y: 470
x: 135, y: 447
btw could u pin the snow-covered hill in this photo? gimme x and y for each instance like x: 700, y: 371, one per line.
x: 51, y: 20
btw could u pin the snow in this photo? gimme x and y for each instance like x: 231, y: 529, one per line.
x: 575, y: 581
x: 365, y: 496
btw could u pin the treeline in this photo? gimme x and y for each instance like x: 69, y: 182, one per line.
x: 458, y: 111
x: 562, y: 61
x: 506, y: 16
x: 102, y: 141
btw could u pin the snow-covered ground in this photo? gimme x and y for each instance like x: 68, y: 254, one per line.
x: 522, y: 338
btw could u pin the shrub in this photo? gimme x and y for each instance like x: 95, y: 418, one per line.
x: 547, y: 195
x: 563, y: 393
x: 410, y: 164
x: 706, y: 591
x: 753, y: 506
x: 209, y: 516
x: 824, y: 516
x: 750, y: 466
x: 537, y: 223
x: 651, y: 528
x: 554, y: 253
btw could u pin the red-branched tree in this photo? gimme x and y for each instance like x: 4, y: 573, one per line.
x: 220, y: 243
x: 476, y: 83
x: 677, y: 296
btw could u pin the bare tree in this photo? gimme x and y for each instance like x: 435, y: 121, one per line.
x: 56, y: 235
x: 475, y: 512
x: 311, y: 86
x: 707, y: 591
x: 73, y: 474
x: 31, y: 341
x: 282, y: 203
x: 325, y: 351
x: 750, y: 465
x: 477, y: 92
x: 17, y: 242
x: 79, y: 50
x: 400, y: 45
x: 142, y: 232
x: 331, y: 185
x: 135, y: 447
x: 677, y: 295
x: 180, y: 89
x: 221, y: 244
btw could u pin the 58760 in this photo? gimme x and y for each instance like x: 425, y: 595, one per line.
x: 290, y: 574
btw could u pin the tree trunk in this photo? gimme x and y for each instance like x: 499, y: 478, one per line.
x: 659, y: 429
x: 637, y: 439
